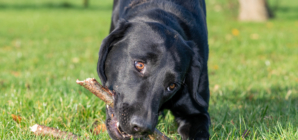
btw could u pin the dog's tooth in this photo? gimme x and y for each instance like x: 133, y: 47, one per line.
x: 117, y: 124
x: 108, y: 106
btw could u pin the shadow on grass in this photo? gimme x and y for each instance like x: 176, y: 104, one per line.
x: 288, y: 9
x: 62, y: 5
x: 287, y: 12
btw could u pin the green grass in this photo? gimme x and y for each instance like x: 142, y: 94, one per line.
x: 46, y: 45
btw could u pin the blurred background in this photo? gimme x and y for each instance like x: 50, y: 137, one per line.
x: 46, y: 45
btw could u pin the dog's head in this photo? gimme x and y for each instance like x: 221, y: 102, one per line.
x: 146, y: 64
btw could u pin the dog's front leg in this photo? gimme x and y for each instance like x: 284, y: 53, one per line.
x: 193, y: 127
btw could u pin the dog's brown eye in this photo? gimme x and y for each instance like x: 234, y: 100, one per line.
x: 171, y: 87
x: 139, y: 65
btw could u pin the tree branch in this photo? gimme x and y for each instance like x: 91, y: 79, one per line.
x: 101, y: 92
x: 41, y: 130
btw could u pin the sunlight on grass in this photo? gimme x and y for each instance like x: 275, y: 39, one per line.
x: 46, y: 45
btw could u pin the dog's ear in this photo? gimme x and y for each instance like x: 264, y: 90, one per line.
x: 192, y: 78
x: 106, y: 46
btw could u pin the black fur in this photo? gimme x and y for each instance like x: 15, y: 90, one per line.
x: 170, y: 37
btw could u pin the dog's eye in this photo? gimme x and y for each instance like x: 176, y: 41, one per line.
x: 139, y: 65
x: 171, y: 87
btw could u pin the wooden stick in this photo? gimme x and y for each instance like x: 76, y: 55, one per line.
x: 41, y: 130
x: 106, y: 95
x: 98, y: 90
x: 157, y: 135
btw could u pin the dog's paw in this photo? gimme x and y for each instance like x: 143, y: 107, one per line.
x: 201, y: 135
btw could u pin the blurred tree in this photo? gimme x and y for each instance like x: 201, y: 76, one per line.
x: 254, y: 10
x: 86, y: 3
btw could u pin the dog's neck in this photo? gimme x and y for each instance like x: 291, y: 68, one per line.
x: 183, y: 16
x: 174, y: 10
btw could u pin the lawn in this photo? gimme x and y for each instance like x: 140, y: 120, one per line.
x: 46, y: 45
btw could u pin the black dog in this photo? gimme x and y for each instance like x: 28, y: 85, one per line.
x: 155, y: 58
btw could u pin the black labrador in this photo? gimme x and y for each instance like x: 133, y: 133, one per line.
x: 155, y: 58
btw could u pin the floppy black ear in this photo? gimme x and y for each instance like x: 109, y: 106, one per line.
x: 106, y: 46
x: 192, y: 78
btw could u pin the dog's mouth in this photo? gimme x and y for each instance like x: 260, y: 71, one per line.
x: 114, y: 127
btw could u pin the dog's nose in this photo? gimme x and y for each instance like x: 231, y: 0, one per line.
x: 141, y: 127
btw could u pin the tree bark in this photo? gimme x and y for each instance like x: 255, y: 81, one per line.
x: 254, y: 10
x: 86, y: 3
